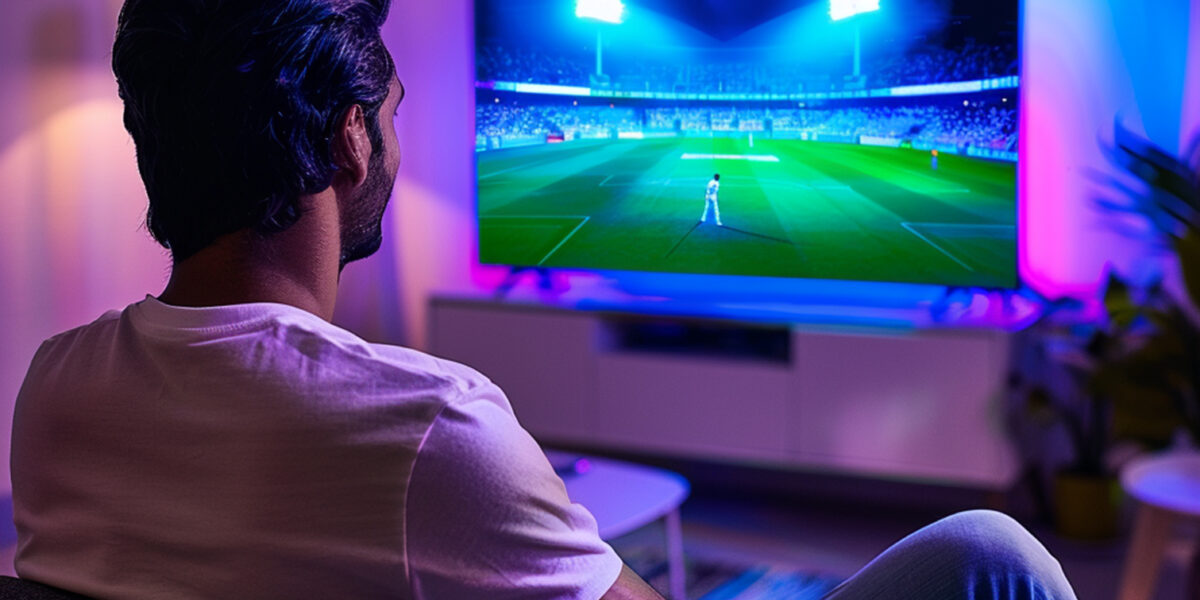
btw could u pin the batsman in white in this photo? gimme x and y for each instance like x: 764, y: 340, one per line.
x: 710, y: 200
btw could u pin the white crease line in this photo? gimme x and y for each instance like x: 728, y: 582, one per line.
x: 564, y: 240
x: 939, y: 248
x: 749, y: 157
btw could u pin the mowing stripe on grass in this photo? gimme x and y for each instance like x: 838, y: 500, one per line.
x: 533, y: 217
x: 887, y: 193
x: 529, y: 165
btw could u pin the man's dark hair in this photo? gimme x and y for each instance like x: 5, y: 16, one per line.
x: 233, y: 104
x: 717, y: 176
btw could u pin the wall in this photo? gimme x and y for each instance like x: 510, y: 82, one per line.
x: 433, y: 217
x: 72, y: 245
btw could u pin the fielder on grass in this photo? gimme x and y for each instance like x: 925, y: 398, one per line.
x: 710, y: 199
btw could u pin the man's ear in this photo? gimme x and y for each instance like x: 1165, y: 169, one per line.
x: 352, y: 146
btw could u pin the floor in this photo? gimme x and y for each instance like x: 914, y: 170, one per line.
x: 838, y: 538
x: 838, y: 541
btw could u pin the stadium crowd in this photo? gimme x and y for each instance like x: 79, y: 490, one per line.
x: 932, y: 64
x: 538, y: 120
x: 921, y: 65
x: 524, y: 65
x: 980, y: 124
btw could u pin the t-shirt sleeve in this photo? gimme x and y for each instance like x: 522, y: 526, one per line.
x: 487, y: 517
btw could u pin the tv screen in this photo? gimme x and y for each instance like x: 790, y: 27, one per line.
x: 853, y: 139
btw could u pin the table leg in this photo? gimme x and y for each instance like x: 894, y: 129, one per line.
x: 676, y: 571
x: 1194, y: 579
x: 1151, y: 530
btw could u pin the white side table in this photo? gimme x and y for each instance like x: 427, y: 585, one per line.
x: 624, y: 497
x: 1167, y: 489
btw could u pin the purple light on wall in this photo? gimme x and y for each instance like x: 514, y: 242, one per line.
x: 1191, y: 87
x: 1085, y: 63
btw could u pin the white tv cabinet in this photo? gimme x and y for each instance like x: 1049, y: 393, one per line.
x: 915, y: 405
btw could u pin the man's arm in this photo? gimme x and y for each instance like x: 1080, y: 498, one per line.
x: 630, y: 587
x: 487, y: 517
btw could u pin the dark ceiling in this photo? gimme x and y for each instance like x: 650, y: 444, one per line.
x: 723, y: 19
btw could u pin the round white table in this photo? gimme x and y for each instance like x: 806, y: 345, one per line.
x: 1167, y: 488
x: 624, y: 497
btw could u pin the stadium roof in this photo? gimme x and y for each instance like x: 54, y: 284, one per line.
x: 724, y: 19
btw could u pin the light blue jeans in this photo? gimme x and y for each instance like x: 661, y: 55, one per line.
x: 974, y: 555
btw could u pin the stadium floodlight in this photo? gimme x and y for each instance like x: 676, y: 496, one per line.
x: 606, y: 11
x: 609, y: 11
x: 844, y: 9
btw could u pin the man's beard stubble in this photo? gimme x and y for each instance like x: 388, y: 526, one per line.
x: 362, y: 223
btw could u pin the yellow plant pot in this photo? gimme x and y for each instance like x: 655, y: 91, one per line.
x: 1086, y: 507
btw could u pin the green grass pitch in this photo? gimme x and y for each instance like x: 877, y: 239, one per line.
x: 826, y: 211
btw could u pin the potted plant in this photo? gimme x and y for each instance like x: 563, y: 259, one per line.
x: 1066, y: 424
x: 1133, y: 373
x: 1154, y: 333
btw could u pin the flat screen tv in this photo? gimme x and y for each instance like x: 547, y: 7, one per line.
x: 847, y: 139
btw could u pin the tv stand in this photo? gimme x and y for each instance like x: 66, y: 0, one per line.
x: 915, y: 405
x: 544, y: 280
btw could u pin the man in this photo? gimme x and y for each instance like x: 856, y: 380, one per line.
x: 710, y: 199
x: 224, y: 440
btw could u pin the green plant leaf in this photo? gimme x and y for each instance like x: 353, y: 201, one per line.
x: 1119, y: 303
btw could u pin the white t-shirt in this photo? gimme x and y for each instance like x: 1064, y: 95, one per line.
x: 257, y: 451
x: 710, y: 193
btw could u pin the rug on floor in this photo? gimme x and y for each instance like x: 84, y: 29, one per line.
x: 714, y: 580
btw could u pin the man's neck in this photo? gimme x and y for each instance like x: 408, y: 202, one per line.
x: 298, y: 267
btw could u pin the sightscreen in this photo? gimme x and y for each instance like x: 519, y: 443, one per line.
x: 750, y: 137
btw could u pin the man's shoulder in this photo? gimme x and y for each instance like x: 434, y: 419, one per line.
x: 101, y: 328
x: 461, y: 378
x: 272, y: 349
x: 104, y: 322
x: 347, y: 363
